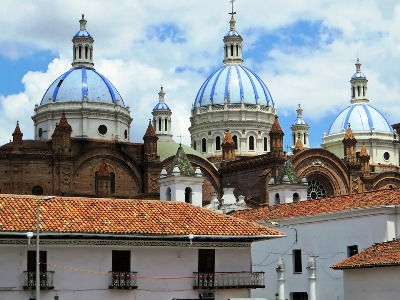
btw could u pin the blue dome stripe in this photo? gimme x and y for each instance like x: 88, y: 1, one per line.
x: 60, y: 83
x: 84, y: 83
x: 346, y: 120
x: 240, y: 83
x: 228, y: 75
x: 370, y: 121
x: 253, y: 85
x: 203, y: 88
x: 110, y: 89
x: 267, y: 94
x: 213, y: 87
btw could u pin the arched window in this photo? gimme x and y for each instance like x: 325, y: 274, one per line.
x: 305, y: 139
x: 168, y: 194
x: 194, y: 145
x: 294, y: 139
x: 166, y: 125
x: 188, y: 195
x: 277, y: 199
x: 80, y: 52
x: 74, y: 52
x: 358, y: 91
x: 296, y: 197
x: 237, y: 50
x: 37, y: 190
x: 86, y: 52
x: 226, y: 51
x: 353, y: 92
x: 159, y: 124
x: 265, y: 144
x: 91, y: 52
x: 231, y: 50
x: 251, y: 143
x: 203, y: 145
x: 234, y: 138
x: 363, y: 91
x: 217, y: 143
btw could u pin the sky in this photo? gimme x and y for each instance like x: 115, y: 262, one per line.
x: 303, y: 50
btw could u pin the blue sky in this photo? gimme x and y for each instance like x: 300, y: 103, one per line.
x: 304, y: 51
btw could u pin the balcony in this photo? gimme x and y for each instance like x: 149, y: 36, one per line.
x: 123, y: 280
x: 228, y: 280
x: 46, y: 280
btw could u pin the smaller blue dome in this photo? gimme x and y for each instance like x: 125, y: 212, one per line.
x: 361, y: 117
x: 82, y: 33
x: 161, y: 106
x: 299, y: 121
x: 232, y: 33
x: 78, y: 83
x: 358, y: 75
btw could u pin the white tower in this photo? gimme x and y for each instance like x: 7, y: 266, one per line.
x: 300, y: 130
x: 162, y: 118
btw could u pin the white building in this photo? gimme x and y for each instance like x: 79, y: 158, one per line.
x: 324, y: 231
x: 125, y: 249
x: 373, y: 273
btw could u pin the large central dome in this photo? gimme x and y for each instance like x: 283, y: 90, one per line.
x: 232, y: 97
x: 233, y: 84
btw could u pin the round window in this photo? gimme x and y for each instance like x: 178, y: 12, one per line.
x: 102, y: 129
x: 386, y: 156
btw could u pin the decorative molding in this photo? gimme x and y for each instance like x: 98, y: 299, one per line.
x: 74, y: 242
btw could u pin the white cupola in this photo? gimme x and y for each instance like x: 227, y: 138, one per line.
x: 82, y: 47
x: 300, y: 129
x: 162, y: 118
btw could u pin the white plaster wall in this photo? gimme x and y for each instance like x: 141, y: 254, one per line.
x: 372, y: 283
x: 328, y: 241
x: 149, y: 262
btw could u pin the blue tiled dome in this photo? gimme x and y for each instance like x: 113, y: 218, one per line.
x: 82, y: 33
x: 77, y: 83
x: 358, y: 75
x: 161, y: 106
x: 361, y: 117
x: 299, y: 121
x: 231, y: 84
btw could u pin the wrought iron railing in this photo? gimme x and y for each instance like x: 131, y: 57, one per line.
x: 46, y: 280
x: 123, y: 280
x: 228, y: 280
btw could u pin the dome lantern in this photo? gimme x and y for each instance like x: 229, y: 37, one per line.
x: 232, y: 43
x: 82, y: 50
x: 358, y: 85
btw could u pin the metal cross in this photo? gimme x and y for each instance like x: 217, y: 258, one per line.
x: 233, y: 12
x: 180, y: 140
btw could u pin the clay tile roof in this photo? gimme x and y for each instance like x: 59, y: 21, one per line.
x: 276, y: 127
x: 299, y: 145
x: 17, y: 130
x: 228, y: 138
x: 378, y: 255
x: 349, y: 134
x: 63, y: 122
x: 150, y: 130
x: 363, y: 151
x: 321, y: 206
x: 103, y: 170
x: 123, y: 216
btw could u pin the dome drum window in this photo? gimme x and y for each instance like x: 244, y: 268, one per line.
x: 386, y: 156
x: 102, y: 129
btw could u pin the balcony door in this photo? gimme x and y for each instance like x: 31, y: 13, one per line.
x: 206, y: 261
x: 31, y: 261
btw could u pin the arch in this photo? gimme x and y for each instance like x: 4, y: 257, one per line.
x: 325, y: 168
x: 86, y: 52
x: 194, y: 145
x: 235, y: 140
x: 159, y: 124
x: 265, y: 141
x: 188, y: 195
x: 237, y: 50
x: 294, y: 139
x: 277, y: 199
x: 37, y: 190
x: 203, y: 145
x: 296, y: 197
x: 251, y: 143
x: 168, y: 194
x: 218, y: 143
x: 231, y: 50
x: 80, y: 51
x: 386, y: 180
x: 166, y: 125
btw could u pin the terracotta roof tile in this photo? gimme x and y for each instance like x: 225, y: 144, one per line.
x: 121, y: 216
x: 321, y: 206
x: 378, y: 255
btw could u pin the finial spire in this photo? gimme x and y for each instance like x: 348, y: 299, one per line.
x: 161, y: 95
x: 83, y: 22
x: 358, y: 65
x: 232, y: 22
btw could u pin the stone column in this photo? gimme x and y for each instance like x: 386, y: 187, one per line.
x: 280, y: 269
x: 312, y: 276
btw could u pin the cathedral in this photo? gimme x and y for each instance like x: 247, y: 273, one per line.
x: 82, y: 141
